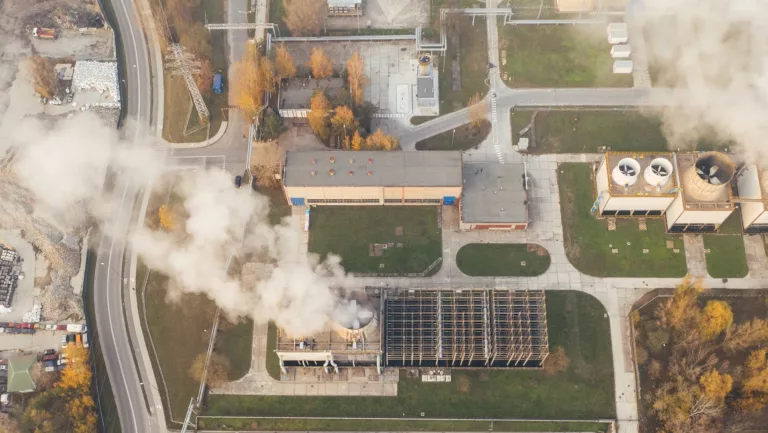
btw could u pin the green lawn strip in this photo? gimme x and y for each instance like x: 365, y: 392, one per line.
x: 577, y: 322
x: 502, y: 260
x: 558, y: 56
x: 349, y: 231
x: 465, y: 137
x: 278, y: 205
x: 235, y: 342
x: 586, y: 131
x: 273, y: 362
x: 473, y: 57
x: 395, y: 425
x: 726, y: 257
x: 589, y: 243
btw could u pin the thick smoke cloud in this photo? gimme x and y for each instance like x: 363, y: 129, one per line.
x: 63, y: 165
x: 714, y: 55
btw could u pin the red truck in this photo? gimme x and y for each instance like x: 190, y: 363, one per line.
x: 45, y: 33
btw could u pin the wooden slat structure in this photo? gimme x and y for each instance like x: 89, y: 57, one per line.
x: 481, y: 328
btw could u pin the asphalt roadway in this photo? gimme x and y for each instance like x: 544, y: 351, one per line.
x: 108, y: 280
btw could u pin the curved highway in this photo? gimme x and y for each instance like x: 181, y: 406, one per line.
x: 108, y: 281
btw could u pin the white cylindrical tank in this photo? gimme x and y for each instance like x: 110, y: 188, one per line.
x: 658, y: 172
x: 626, y: 172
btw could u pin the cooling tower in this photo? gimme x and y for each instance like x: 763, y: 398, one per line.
x: 626, y: 172
x: 706, y: 179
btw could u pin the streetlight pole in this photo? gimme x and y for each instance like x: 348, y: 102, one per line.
x: 452, y: 136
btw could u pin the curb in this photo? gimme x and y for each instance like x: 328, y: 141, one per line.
x: 200, y: 144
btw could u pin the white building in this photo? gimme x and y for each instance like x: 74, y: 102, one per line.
x: 618, y: 33
x: 635, y: 184
x: 753, y: 192
x: 706, y: 198
x: 621, y: 51
x: 623, y: 66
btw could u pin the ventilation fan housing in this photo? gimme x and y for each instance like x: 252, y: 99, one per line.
x: 626, y: 172
x: 658, y: 172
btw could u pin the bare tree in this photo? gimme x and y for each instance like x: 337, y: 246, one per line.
x: 43, y: 76
x: 267, y: 163
x: 305, y: 17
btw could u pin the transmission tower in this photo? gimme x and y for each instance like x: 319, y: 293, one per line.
x: 183, y: 63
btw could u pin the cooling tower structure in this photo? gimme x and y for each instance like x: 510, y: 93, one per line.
x: 352, y: 338
x: 635, y: 184
x: 752, y: 183
x: 706, y: 196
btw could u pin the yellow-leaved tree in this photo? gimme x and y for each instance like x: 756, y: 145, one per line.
x: 356, y: 77
x: 284, y: 63
x: 681, y: 309
x: 714, y: 319
x: 254, y: 75
x: 167, y: 219
x: 357, y: 141
x: 716, y: 385
x: 381, y: 141
x: 320, y: 108
x: 320, y: 65
x: 343, y: 121
x: 75, y: 382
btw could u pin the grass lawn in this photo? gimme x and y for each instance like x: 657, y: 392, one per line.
x: 395, y: 425
x: 584, y: 391
x: 586, y: 131
x: 558, y: 56
x: 466, y: 137
x: 727, y: 257
x: 473, y: 58
x: 589, y: 243
x: 177, y: 100
x: 351, y: 231
x: 279, y: 207
x: 273, y: 362
x: 503, y: 260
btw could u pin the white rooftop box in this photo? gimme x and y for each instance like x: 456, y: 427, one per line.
x: 618, y: 33
x: 622, y: 67
x: 621, y: 51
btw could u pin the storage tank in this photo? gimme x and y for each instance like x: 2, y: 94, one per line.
x: 626, y: 172
x: 658, y: 172
x: 712, y: 172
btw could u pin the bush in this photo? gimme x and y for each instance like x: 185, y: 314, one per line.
x: 641, y: 355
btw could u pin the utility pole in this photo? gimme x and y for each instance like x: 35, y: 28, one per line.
x: 452, y: 136
x: 183, y: 63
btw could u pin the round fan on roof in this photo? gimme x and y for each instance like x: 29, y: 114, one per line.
x: 627, y: 170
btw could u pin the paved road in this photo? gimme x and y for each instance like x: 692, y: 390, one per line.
x: 108, y: 300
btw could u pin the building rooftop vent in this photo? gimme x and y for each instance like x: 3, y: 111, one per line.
x: 626, y: 172
x: 711, y: 173
x: 332, y: 159
x: 369, y: 172
x: 370, y: 160
x: 351, y: 172
x: 658, y: 172
x: 314, y: 172
x: 314, y: 161
x: 331, y: 172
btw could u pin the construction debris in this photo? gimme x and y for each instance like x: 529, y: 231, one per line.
x: 100, y: 77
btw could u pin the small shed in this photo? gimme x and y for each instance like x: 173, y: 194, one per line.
x: 575, y: 5
x: 19, y: 379
x: 618, y: 33
x: 622, y: 67
x: 621, y: 51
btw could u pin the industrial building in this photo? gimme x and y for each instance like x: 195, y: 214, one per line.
x: 705, y: 199
x: 10, y: 274
x: 752, y: 184
x: 494, y: 197
x: 293, y: 97
x: 372, y: 178
x: 345, y: 8
x: 427, y: 95
x: 353, y: 339
x: 635, y: 184
x: 480, y: 328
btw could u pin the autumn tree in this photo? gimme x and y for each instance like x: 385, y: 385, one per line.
x: 356, y: 77
x: 715, y: 318
x: 344, y: 122
x: 305, y: 17
x: 320, y: 108
x: 253, y: 77
x: 746, y: 335
x: 685, y: 408
x: 218, y: 369
x: 680, y: 310
x: 754, y: 388
x: 167, y: 219
x: 357, y: 142
x: 556, y: 362
x: 266, y: 163
x: 43, y: 76
x: 284, y: 63
x: 478, y: 111
x: 75, y: 381
x: 716, y: 385
x: 381, y: 141
x: 320, y: 65
x: 196, y: 39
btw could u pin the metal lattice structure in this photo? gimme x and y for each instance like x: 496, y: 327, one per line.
x: 479, y: 328
x: 243, y: 26
x: 183, y: 63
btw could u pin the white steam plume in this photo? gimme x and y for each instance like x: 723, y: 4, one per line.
x: 714, y: 55
x: 63, y: 164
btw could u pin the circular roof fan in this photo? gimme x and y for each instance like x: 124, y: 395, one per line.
x: 627, y: 170
x: 708, y: 172
x: 659, y: 170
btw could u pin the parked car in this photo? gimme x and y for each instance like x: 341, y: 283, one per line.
x: 61, y: 327
x: 49, y: 351
x: 50, y: 357
x: 4, y: 367
x: 64, y: 341
x: 70, y: 338
x: 85, y: 340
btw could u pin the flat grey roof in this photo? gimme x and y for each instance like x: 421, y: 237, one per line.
x: 425, y: 87
x: 297, y: 93
x: 494, y: 193
x: 372, y: 168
